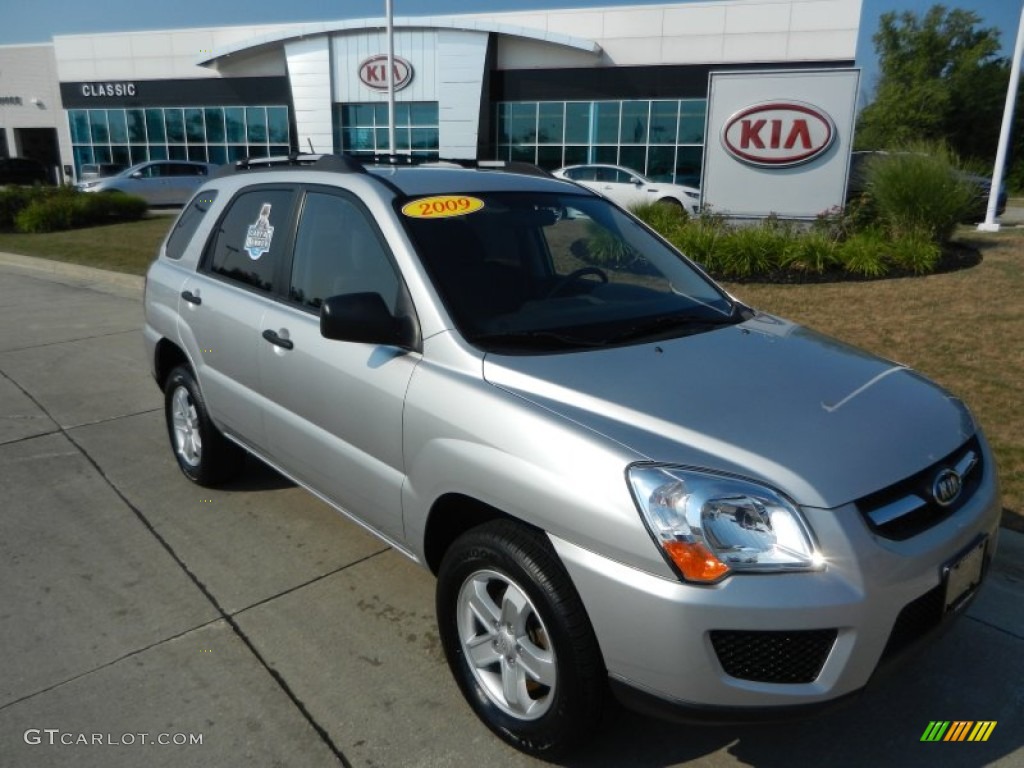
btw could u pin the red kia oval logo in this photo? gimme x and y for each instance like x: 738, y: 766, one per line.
x: 777, y: 134
x: 373, y: 72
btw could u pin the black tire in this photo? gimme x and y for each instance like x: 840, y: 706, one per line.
x: 205, y: 456
x: 495, y: 560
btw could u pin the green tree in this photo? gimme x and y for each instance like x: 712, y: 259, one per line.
x: 940, y: 79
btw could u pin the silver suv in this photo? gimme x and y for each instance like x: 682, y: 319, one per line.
x: 624, y: 479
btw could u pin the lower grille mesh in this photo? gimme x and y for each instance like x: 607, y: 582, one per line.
x: 773, y: 657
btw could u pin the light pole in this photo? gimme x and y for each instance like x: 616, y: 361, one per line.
x: 990, y: 224
x: 389, y: 10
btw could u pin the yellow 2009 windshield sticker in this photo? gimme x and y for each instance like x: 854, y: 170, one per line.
x: 442, y: 206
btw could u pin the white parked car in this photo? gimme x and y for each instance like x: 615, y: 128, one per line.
x: 628, y: 188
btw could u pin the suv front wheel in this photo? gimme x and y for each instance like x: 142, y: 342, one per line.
x: 518, y: 640
x: 203, y: 453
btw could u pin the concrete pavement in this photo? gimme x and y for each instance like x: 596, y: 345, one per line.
x: 137, y: 607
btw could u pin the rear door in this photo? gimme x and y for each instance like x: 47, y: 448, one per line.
x: 334, y: 408
x: 221, y: 307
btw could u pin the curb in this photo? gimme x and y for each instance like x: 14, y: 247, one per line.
x: 121, y: 282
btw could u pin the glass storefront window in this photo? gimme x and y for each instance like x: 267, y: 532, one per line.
x: 214, y: 117
x: 661, y: 138
x: 209, y: 134
x: 577, y: 122
x: 79, y: 124
x: 155, y: 133
x: 136, y: 126
x: 256, y: 125
x: 98, y: 126
x: 664, y: 115
x: 175, y: 120
x: 277, y: 125
x: 607, y: 120
x: 363, y: 128
x: 634, y: 122
x: 118, y: 126
x: 234, y: 117
x: 550, y: 126
x: 691, y: 121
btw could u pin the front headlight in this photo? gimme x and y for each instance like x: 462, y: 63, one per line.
x: 87, y: 185
x: 709, y: 526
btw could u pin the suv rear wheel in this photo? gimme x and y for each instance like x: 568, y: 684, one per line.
x: 518, y: 640
x: 203, y: 453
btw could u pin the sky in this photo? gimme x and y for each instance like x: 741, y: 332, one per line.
x: 37, y: 21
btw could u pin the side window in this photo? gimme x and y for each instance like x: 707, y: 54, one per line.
x: 188, y: 223
x: 338, y: 251
x: 251, y: 240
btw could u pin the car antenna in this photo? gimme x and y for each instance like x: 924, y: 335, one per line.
x: 311, y: 150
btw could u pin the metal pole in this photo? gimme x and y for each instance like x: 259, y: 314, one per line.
x: 990, y: 224
x: 389, y: 9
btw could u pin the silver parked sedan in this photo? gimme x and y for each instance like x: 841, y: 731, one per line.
x: 624, y: 479
x: 158, y: 182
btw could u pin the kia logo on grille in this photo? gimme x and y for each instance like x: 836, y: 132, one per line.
x: 946, y: 487
x: 778, y: 134
x: 373, y: 72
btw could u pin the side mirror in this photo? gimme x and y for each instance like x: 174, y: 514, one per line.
x: 364, y: 318
x: 137, y: 175
x: 636, y: 180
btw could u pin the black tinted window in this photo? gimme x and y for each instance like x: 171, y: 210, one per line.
x: 338, y: 251
x: 251, y: 239
x: 188, y: 223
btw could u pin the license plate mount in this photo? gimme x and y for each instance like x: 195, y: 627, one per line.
x: 962, y: 575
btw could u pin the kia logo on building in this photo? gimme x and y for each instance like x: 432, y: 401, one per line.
x: 373, y: 72
x: 778, y: 134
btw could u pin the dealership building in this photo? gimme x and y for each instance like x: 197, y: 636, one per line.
x: 630, y: 85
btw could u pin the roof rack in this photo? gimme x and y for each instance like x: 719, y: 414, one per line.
x: 508, y: 166
x: 344, y: 163
x: 313, y: 162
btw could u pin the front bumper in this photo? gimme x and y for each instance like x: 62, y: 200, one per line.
x: 661, y: 639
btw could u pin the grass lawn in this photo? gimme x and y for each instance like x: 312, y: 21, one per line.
x: 962, y: 329
x: 126, y: 247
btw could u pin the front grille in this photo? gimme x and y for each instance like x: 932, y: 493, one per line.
x: 918, y: 618
x: 908, y: 507
x: 773, y: 657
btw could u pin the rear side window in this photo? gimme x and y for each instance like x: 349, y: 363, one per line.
x: 252, y: 241
x: 188, y: 223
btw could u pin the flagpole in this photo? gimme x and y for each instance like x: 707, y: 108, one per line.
x: 990, y: 224
x: 389, y: 10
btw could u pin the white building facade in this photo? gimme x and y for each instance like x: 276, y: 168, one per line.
x: 627, y: 85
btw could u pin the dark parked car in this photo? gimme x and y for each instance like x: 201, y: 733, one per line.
x: 857, y: 183
x: 23, y: 170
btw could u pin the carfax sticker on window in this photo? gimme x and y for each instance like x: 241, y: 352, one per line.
x: 442, y: 206
x: 260, y: 234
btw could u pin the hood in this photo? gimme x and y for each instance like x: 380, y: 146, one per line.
x: 822, y: 421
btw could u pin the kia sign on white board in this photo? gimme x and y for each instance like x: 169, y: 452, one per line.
x: 778, y: 142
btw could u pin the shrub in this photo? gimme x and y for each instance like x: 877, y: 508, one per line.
x: 916, y: 252
x: 66, y: 208
x: 13, y: 200
x: 663, y: 218
x: 754, y: 250
x: 919, y: 189
x: 865, y: 253
x: 812, y: 252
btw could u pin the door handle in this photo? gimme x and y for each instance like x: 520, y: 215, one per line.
x: 273, y: 338
x: 191, y: 298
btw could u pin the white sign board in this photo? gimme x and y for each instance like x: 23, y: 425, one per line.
x: 778, y: 141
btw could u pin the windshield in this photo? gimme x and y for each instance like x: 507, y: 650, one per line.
x: 525, y: 272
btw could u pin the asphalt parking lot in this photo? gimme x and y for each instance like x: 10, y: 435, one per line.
x: 137, y: 608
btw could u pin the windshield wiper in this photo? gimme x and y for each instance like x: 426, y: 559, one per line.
x: 662, y: 323
x: 536, y: 339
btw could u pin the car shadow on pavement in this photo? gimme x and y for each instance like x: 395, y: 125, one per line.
x: 971, y: 674
x: 257, y: 476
